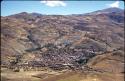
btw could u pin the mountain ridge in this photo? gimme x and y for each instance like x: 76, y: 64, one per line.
x: 106, y: 9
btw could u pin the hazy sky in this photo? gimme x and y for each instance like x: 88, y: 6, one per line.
x: 56, y: 7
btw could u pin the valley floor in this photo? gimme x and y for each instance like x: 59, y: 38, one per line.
x: 7, y: 75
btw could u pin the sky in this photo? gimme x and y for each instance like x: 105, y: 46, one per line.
x: 56, y: 7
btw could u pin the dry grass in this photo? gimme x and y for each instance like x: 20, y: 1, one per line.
x: 8, y: 75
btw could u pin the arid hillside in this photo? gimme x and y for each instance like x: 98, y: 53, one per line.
x: 58, y: 41
x: 79, y: 47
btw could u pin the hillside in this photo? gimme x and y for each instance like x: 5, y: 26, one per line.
x: 61, y: 42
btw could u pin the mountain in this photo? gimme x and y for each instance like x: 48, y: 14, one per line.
x: 109, y: 10
x: 55, y: 41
